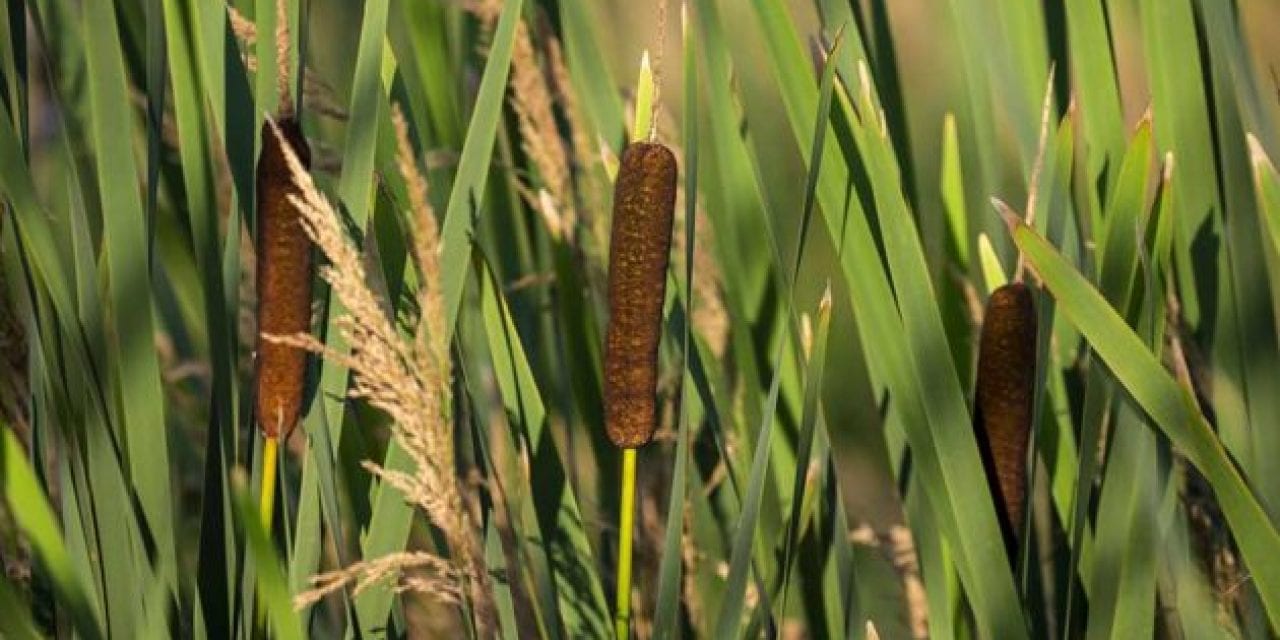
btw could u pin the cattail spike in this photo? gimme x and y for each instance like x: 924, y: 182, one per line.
x: 639, y: 248
x: 1005, y: 399
x: 284, y: 280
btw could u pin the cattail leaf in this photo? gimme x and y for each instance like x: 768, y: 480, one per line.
x: 473, y: 167
x: 592, y: 79
x: 735, y: 201
x: 986, y: 575
x: 1117, y: 244
x: 17, y: 618
x: 953, y: 193
x: 126, y: 237
x: 496, y: 563
x: 196, y: 151
x: 268, y: 572
x: 644, y: 101
x: 993, y: 273
x: 1166, y: 27
x: 1093, y: 69
x: 577, y: 589
x: 800, y: 487
x: 666, y: 622
x: 1248, y: 344
x: 30, y: 511
x: 733, y: 606
x: 1168, y: 406
x: 957, y: 484
x: 1267, y: 190
x: 226, y: 83
x: 730, y: 610
x: 1129, y: 486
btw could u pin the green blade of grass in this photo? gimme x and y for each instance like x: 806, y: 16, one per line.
x: 992, y: 594
x: 993, y: 273
x: 1267, y: 191
x: 389, y: 530
x: 591, y: 77
x: 126, y: 237
x: 953, y: 193
x: 216, y: 562
x: 1127, y: 531
x: 729, y: 617
x: 272, y: 588
x: 1167, y: 26
x: 507, y: 625
x: 1170, y: 407
x: 17, y: 618
x: 666, y: 622
x: 28, y: 507
x: 582, y: 607
x: 1116, y: 243
x: 473, y: 166
x: 1093, y: 70
x: 1249, y: 308
x: 809, y: 420
x: 946, y: 456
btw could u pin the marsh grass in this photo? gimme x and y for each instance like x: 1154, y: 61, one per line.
x: 814, y: 469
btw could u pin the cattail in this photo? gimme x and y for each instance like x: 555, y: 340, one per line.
x: 1005, y: 398
x: 284, y: 281
x: 643, y: 204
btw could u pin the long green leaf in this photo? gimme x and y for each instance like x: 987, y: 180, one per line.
x: 127, y: 247
x: 30, y: 509
x: 1169, y: 406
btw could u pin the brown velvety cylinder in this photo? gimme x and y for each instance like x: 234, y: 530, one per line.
x: 284, y: 281
x: 639, y: 247
x: 1005, y: 398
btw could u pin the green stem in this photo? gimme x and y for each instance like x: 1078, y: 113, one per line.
x: 626, y: 527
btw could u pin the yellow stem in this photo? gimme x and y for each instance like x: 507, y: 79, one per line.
x: 267, y: 505
x: 626, y: 526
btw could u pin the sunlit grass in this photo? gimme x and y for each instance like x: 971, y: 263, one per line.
x: 856, y: 178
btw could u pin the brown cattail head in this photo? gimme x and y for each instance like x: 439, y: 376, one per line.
x: 284, y: 281
x: 1005, y: 398
x: 643, y: 204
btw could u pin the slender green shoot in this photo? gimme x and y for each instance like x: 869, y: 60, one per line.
x: 626, y: 529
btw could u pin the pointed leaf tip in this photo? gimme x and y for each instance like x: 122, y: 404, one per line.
x: 1010, y: 217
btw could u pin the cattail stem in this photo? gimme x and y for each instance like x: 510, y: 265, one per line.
x: 267, y: 502
x: 626, y: 530
x: 266, y: 510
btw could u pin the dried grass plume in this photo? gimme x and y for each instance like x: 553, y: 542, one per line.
x: 406, y: 377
